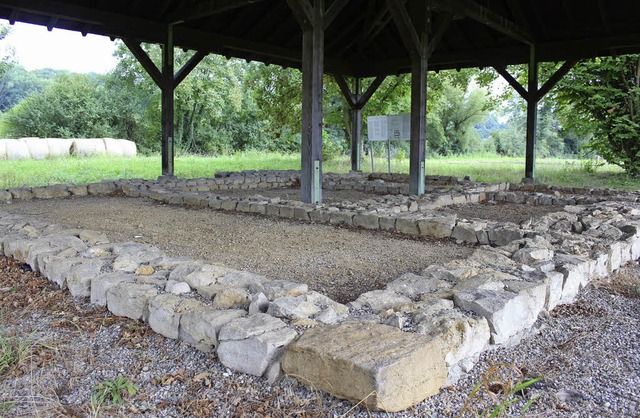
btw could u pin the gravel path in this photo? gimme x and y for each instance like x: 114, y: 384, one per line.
x: 586, y: 353
x: 340, y: 263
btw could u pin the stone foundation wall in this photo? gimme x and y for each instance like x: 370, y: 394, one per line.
x: 428, y: 328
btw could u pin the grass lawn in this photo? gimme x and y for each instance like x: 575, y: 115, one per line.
x: 487, y: 168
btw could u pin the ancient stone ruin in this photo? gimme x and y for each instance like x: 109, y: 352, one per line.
x: 391, y: 347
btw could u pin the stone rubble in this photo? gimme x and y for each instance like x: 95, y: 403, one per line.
x: 427, y: 330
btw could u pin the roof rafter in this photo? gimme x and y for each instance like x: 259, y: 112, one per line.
x: 486, y: 16
x: 208, y: 8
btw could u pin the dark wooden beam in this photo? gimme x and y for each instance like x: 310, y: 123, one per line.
x: 333, y: 11
x: 417, y: 140
x: 356, y: 101
x: 512, y: 82
x: 486, y: 16
x: 312, y: 86
x: 302, y: 11
x: 441, y: 28
x: 144, y: 60
x: 161, y: 8
x: 207, y: 8
x: 168, y: 89
x: 356, y: 126
x: 414, y: 34
x: 188, y: 67
x: 532, y: 115
x: 52, y: 23
x: 405, y: 26
x: 519, y: 16
x: 345, y: 90
x: 557, y: 76
x: 373, y: 87
x: 121, y: 23
x: 200, y: 40
x: 603, y: 17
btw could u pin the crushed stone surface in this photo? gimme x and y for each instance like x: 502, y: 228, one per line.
x: 341, y: 263
x: 586, y: 355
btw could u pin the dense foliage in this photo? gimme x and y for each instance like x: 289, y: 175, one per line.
x: 602, y: 96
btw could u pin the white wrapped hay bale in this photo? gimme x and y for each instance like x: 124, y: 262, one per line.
x: 83, y: 147
x: 3, y: 149
x: 59, y: 147
x: 129, y: 148
x: 38, y: 148
x: 16, y: 150
x: 113, y: 147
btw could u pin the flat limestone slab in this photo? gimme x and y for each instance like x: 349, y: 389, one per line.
x: 390, y: 369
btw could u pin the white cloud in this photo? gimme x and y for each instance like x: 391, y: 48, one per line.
x: 36, y: 47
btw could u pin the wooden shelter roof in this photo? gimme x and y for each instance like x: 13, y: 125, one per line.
x: 362, y: 39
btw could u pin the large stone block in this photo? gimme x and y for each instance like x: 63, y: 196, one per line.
x: 291, y: 307
x: 385, y: 368
x: 80, y: 276
x: 407, y: 226
x: 366, y: 220
x: 57, y: 269
x: 252, y: 344
x: 463, y: 339
x: 468, y: 231
x: 199, y: 328
x: 130, y: 300
x: 165, y: 312
x: 437, y: 226
x: 576, y: 272
x: 503, y: 236
x: 381, y: 300
x: 100, y: 285
x: 509, y: 312
x: 412, y: 285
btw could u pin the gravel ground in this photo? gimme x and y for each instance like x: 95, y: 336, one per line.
x: 586, y: 353
x: 338, y: 262
x: 500, y: 211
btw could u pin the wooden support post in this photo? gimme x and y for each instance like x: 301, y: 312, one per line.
x: 414, y: 28
x: 356, y: 126
x: 532, y: 115
x: 532, y: 95
x: 356, y: 101
x: 167, y: 83
x: 310, y: 16
x: 168, y: 89
x: 418, y: 132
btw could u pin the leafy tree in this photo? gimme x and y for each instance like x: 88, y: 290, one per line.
x: 73, y: 105
x: 7, y: 52
x: 602, y: 95
x: 459, y: 111
x: 17, y: 83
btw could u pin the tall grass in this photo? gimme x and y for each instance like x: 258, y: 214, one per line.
x: 486, y: 168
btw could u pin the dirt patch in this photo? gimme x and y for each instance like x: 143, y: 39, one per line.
x: 341, y: 263
x: 501, y: 211
x: 293, y: 194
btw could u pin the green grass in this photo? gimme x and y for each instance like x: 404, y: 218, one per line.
x: 486, y: 168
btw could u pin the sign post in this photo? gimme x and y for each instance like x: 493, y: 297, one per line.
x: 387, y: 128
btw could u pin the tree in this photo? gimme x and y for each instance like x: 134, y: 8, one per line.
x: 459, y: 111
x: 74, y: 105
x: 16, y: 84
x: 602, y: 96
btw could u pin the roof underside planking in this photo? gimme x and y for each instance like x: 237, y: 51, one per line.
x: 362, y: 39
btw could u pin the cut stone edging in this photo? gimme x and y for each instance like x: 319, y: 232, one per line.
x: 450, y: 313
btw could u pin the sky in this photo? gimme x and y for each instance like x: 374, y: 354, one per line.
x: 36, y: 47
